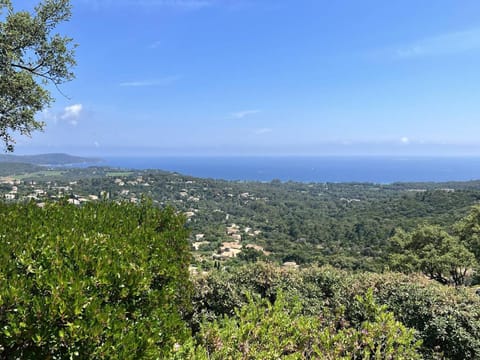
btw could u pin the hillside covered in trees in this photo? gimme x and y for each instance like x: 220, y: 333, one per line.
x: 347, y: 225
x: 94, y: 268
x: 108, y: 280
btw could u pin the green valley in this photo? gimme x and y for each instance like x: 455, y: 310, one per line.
x: 293, y: 251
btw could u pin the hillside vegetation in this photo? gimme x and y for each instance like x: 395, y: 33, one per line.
x: 91, y: 270
x: 347, y: 225
x: 46, y: 159
x: 111, y: 281
x: 102, y: 281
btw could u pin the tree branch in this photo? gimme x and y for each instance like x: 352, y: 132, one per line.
x: 43, y: 75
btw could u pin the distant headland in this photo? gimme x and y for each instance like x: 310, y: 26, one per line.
x: 55, y: 159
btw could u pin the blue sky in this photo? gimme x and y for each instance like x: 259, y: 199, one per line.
x: 240, y: 77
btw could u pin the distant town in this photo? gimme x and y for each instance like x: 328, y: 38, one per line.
x: 290, y: 223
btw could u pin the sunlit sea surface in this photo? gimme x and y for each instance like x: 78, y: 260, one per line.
x: 312, y: 169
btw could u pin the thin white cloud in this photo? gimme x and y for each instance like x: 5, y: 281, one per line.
x: 262, y: 131
x: 244, y: 113
x: 72, y: 114
x: 154, y: 45
x: 449, y: 43
x: 405, y: 140
x: 154, y: 82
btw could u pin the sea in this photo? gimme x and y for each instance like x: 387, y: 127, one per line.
x: 372, y: 169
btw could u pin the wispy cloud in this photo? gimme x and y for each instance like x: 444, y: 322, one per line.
x: 154, y: 45
x: 262, y: 131
x: 72, y: 114
x: 448, y: 43
x: 244, y: 113
x: 405, y: 140
x: 153, y: 82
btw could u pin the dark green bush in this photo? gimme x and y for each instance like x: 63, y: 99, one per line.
x: 447, y: 319
x: 265, y: 331
x: 101, y: 281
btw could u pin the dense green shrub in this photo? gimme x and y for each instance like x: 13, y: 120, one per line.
x: 101, y: 281
x: 446, y: 319
x: 262, y: 330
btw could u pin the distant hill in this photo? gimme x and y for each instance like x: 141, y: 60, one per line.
x: 12, y: 169
x: 47, y: 159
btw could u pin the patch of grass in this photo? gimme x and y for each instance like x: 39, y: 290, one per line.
x: 119, y: 173
x: 39, y: 174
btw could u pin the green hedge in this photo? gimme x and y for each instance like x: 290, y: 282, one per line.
x: 101, y: 281
x: 265, y: 331
x: 446, y: 319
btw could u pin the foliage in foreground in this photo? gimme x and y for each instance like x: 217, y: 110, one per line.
x: 446, y: 319
x: 101, y: 281
x: 111, y: 280
x: 262, y: 330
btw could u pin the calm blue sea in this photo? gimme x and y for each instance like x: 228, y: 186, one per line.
x: 312, y: 169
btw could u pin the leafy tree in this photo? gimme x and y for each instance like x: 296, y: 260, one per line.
x: 433, y: 251
x: 31, y: 56
x: 468, y: 229
x: 251, y: 255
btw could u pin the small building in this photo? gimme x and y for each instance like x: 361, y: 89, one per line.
x: 236, y: 237
x: 228, y: 250
x: 233, y: 229
x: 258, y: 248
